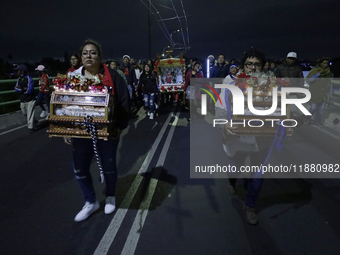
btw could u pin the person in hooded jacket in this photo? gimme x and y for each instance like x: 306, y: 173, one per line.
x: 25, y: 86
x: 44, y: 91
x: 319, y: 81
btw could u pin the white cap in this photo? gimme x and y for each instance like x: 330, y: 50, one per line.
x: 292, y: 55
x: 126, y: 56
x: 40, y: 68
x: 210, y: 56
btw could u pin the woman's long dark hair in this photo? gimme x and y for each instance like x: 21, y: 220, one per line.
x: 76, y: 55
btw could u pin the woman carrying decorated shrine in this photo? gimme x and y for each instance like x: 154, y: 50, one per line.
x: 83, y: 151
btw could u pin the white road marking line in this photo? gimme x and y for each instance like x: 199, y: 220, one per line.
x: 137, y: 226
x: 329, y: 133
x: 8, y: 131
x: 111, y: 232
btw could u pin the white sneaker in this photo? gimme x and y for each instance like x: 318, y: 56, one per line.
x: 43, y: 114
x: 87, y: 210
x: 110, y: 205
x: 151, y: 116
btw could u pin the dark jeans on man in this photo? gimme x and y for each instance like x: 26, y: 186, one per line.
x: 82, y: 157
x: 252, y: 185
x: 317, y: 109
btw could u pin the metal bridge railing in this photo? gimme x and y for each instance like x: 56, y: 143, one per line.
x: 7, y: 92
x: 334, y: 100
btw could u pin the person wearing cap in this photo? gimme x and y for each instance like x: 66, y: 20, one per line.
x: 290, y: 68
x: 44, y: 91
x: 25, y: 86
x: 233, y: 70
x: 211, y: 64
x: 127, y: 69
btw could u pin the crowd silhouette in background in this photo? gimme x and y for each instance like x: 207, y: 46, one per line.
x: 61, y: 65
x: 141, y: 89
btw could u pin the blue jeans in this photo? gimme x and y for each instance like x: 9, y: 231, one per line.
x: 82, y: 157
x: 40, y: 100
x: 317, y: 109
x: 252, y: 185
x: 149, y: 101
x: 131, y: 90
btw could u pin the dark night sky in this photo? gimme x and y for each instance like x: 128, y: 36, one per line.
x: 31, y: 30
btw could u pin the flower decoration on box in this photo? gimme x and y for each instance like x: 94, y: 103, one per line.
x: 182, y: 61
x: 162, y: 88
x: 259, y: 82
x: 179, y: 88
x: 157, y: 63
x: 170, y: 61
x: 282, y: 82
x: 241, y: 81
x: 79, y: 83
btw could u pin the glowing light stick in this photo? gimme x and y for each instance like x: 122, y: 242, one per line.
x: 208, y: 68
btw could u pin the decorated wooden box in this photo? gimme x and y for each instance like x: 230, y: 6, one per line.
x: 71, y: 107
x: 171, y: 74
x: 262, y: 96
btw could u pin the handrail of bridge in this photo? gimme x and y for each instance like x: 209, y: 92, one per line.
x: 13, y: 91
x: 336, y: 94
x: 15, y: 80
x: 329, y: 101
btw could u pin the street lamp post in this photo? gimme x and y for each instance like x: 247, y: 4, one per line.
x: 176, y: 31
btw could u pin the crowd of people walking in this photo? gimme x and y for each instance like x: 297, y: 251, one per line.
x: 135, y: 82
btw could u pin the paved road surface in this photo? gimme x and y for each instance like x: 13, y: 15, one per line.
x: 161, y: 210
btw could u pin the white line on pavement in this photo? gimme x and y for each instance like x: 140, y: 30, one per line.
x: 13, y: 129
x: 329, y: 133
x: 137, y: 226
x: 8, y: 131
x: 105, y: 243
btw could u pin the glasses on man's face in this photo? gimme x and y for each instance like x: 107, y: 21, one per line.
x: 92, y: 53
x: 251, y: 64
